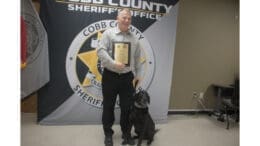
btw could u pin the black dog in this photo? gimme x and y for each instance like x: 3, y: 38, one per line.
x: 141, y: 119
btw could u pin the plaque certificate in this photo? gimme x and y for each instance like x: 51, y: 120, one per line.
x: 121, y: 52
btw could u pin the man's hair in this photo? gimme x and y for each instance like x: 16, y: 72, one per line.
x: 124, y: 9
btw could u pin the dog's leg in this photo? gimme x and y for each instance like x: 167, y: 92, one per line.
x: 152, y: 130
x: 142, y: 134
x: 150, y: 135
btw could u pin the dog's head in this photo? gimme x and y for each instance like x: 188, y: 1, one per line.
x: 142, y: 99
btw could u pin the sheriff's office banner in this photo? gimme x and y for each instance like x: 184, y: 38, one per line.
x: 74, y: 28
x: 34, y: 50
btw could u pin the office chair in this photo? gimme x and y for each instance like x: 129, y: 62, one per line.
x: 229, y: 105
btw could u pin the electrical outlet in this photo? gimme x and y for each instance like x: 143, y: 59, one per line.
x: 194, y: 95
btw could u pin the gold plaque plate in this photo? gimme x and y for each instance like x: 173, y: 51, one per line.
x: 121, y: 52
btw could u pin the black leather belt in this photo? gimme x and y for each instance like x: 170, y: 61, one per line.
x: 115, y: 73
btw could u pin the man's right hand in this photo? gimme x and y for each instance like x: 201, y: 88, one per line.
x: 119, y: 65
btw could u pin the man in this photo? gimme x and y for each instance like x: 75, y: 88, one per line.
x: 119, y: 54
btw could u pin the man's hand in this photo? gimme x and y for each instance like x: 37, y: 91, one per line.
x: 119, y: 65
x: 136, y: 82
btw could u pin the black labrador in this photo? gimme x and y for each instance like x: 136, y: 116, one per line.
x: 141, y: 118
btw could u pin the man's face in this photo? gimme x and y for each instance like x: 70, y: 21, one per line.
x: 124, y: 20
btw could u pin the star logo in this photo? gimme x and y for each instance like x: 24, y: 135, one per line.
x: 90, y: 59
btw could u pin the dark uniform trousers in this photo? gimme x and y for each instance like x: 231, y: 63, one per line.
x: 114, y: 84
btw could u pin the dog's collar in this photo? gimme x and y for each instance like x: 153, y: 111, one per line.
x: 139, y: 106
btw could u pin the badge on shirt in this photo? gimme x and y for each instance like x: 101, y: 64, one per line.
x: 121, y: 52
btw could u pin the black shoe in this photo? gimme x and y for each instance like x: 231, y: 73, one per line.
x: 108, y: 141
x: 128, y: 140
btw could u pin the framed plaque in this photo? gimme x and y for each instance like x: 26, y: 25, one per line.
x: 121, y: 52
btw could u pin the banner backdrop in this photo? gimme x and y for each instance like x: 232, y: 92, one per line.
x: 34, y: 50
x: 74, y: 27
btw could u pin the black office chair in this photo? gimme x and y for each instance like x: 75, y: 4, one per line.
x: 230, y: 105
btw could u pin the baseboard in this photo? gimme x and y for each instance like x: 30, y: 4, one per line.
x: 189, y: 111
